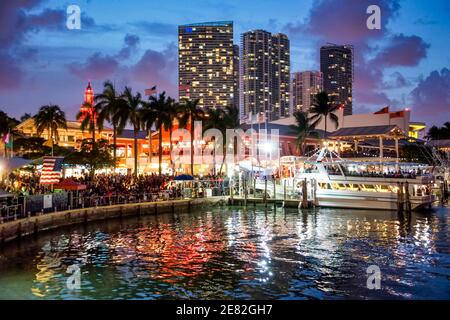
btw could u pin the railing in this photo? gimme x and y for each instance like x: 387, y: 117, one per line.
x: 23, y: 206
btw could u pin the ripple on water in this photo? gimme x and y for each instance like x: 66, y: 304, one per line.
x: 232, y: 253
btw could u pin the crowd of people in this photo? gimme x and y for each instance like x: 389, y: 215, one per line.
x: 107, y: 184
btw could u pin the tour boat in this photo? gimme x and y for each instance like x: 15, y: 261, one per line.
x: 334, y: 182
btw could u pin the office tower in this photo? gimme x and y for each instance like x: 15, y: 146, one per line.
x: 236, y: 73
x: 280, y: 76
x: 336, y: 64
x: 265, y: 74
x: 304, y: 86
x: 205, y: 63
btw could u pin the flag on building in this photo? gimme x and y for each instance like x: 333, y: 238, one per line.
x: 382, y: 111
x: 51, y: 170
x: 7, y: 139
x: 150, y: 92
x: 186, y: 86
x: 398, y: 114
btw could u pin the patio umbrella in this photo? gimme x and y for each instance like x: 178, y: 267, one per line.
x: 184, y: 177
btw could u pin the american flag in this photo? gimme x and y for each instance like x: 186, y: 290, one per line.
x: 184, y: 87
x: 150, y: 92
x: 51, y: 170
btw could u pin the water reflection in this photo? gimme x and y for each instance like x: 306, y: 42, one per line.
x: 237, y: 253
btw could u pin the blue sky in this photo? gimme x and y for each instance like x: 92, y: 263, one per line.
x: 405, y: 64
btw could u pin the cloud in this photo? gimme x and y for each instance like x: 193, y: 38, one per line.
x: 153, y: 67
x: 16, y: 24
x: 425, y: 21
x: 10, y: 74
x: 396, y: 80
x: 402, y: 51
x: 156, y: 28
x: 97, y: 66
x: 431, y: 97
x: 131, y: 43
x: 343, y: 21
x: 158, y: 68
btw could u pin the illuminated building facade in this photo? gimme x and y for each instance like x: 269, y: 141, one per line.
x: 88, y: 100
x: 236, y: 73
x: 280, y: 76
x: 336, y: 65
x: 265, y: 74
x: 304, y: 86
x: 206, y: 63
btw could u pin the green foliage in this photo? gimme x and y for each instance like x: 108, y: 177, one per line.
x: 323, y: 108
x: 51, y: 118
x: 93, y: 157
x: 414, y: 152
x: 303, y: 129
x: 439, y: 133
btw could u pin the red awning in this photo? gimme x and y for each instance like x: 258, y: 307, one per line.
x: 69, y: 184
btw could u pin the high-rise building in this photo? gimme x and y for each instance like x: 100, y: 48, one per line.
x: 336, y: 64
x: 206, y: 63
x: 236, y: 73
x: 280, y: 76
x: 304, y: 86
x: 265, y: 74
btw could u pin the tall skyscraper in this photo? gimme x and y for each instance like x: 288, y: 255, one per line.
x: 265, y: 74
x: 304, y: 86
x: 280, y: 76
x: 336, y: 64
x: 236, y: 73
x: 206, y: 63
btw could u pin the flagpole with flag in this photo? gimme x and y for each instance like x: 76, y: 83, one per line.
x: 151, y: 91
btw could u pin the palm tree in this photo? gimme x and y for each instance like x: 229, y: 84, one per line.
x: 436, y: 133
x: 50, y: 118
x: 131, y: 114
x: 90, y: 119
x: 322, y: 107
x: 302, y: 129
x: 215, y: 118
x: 190, y: 112
x: 231, y: 122
x: 163, y: 110
x: 222, y: 119
x: 111, y: 104
x: 148, y: 119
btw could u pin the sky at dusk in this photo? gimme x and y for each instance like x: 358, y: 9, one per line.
x: 134, y: 43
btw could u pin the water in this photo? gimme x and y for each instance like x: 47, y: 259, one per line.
x: 233, y: 253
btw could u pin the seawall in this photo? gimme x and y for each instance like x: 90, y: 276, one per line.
x: 33, y: 225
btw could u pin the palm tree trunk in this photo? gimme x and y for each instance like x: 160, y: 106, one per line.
x: 93, y: 134
x: 171, y: 148
x: 325, y: 133
x: 115, y: 146
x: 192, y: 146
x: 149, y: 146
x: 51, y: 137
x: 135, y: 153
x: 160, y: 150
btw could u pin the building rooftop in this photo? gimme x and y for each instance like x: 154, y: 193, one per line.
x: 283, y: 129
x: 369, y: 131
x: 209, y: 24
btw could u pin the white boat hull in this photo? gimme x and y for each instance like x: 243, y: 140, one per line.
x: 365, y: 200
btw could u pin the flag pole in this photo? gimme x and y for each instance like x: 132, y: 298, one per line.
x: 12, y: 144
